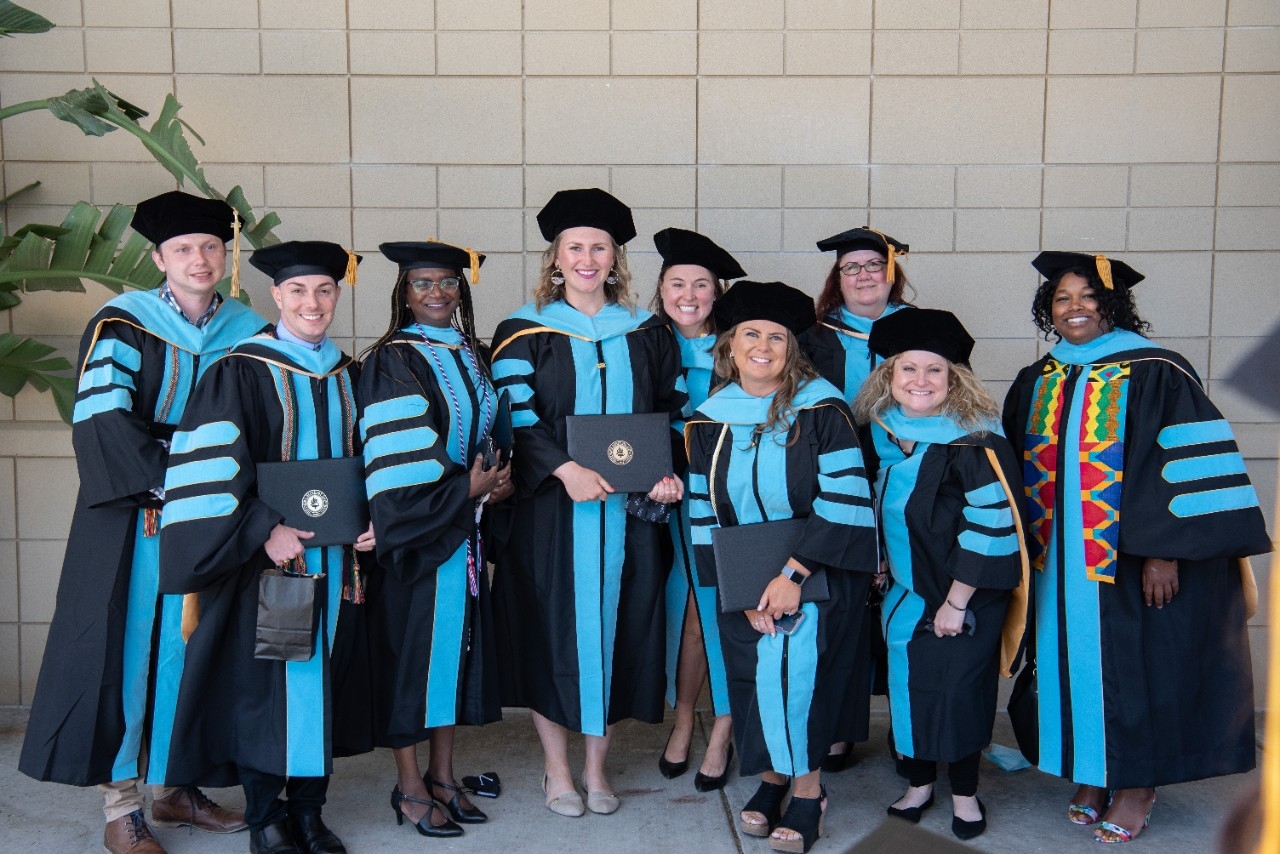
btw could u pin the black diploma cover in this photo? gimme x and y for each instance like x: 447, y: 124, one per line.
x: 324, y: 496
x: 748, y: 557
x: 632, y: 452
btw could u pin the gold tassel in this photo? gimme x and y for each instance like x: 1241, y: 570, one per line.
x: 891, y: 265
x: 475, y: 265
x: 1104, y: 271
x: 190, y: 615
x: 472, y: 255
x: 235, y: 254
x: 350, y: 275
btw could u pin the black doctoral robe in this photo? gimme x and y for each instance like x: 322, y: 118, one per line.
x: 267, y: 401
x: 114, y: 653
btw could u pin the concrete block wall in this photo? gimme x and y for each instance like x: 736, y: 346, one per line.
x: 980, y: 131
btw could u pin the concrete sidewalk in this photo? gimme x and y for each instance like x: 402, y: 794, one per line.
x: 1026, y: 808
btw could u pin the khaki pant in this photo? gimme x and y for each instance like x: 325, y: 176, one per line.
x: 124, y: 796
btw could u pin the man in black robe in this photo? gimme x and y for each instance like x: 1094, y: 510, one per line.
x: 104, y: 704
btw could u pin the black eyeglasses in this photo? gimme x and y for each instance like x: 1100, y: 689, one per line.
x: 853, y: 268
x: 421, y: 286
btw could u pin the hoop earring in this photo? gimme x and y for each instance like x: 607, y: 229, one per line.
x: 612, y: 278
x: 557, y: 278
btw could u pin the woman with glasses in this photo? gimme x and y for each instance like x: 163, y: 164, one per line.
x: 428, y: 407
x: 865, y: 283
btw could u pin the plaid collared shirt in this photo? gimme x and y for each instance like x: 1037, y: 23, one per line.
x: 166, y: 294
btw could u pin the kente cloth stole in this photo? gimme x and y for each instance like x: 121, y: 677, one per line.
x: 1099, y: 447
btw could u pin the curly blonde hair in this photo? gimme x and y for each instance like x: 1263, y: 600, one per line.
x: 795, y: 372
x: 547, y: 292
x: 968, y: 402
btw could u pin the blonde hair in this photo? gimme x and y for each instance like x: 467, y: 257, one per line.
x: 547, y: 292
x: 796, y: 371
x: 968, y: 402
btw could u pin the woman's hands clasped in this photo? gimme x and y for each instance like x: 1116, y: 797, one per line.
x: 496, y: 482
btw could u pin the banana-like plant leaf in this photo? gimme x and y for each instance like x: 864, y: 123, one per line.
x: 81, y: 250
x: 20, y: 190
x: 25, y: 360
x: 83, y: 108
x: 15, y: 19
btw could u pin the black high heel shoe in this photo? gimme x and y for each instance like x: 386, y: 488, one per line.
x: 768, y: 802
x: 911, y: 814
x: 423, y: 825
x: 834, y: 763
x: 804, y: 816
x: 705, y: 783
x: 469, y: 815
x: 669, y: 769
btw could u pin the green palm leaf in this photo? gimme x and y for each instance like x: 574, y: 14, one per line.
x: 24, y: 360
x: 58, y: 259
x: 15, y: 19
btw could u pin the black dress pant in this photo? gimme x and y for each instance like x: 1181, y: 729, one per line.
x: 963, y: 773
x: 262, y: 803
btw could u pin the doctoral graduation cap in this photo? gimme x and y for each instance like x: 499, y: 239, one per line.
x: 283, y: 261
x: 589, y: 208
x: 1112, y: 272
x: 420, y: 254
x: 866, y: 237
x: 175, y: 213
x: 774, y: 301
x: 928, y: 329
x: 680, y: 246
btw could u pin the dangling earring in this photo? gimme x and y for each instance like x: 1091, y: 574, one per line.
x: 612, y: 278
x: 557, y: 278
x: 730, y: 355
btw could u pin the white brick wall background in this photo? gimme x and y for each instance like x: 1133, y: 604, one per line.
x: 979, y: 131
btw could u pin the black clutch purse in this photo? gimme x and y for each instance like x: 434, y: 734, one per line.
x: 749, y: 556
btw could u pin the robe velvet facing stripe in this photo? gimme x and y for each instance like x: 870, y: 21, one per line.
x: 948, y: 513
x: 114, y: 656
x: 267, y: 401
x: 579, y: 598
x: 1125, y: 458
x: 786, y: 693
x: 696, y: 364
x: 424, y: 411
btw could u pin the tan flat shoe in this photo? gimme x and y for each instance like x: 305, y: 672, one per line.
x: 603, y: 803
x: 568, y: 804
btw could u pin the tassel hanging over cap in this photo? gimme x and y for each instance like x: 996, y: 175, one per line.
x: 1104, y: 271
x: 474, y: 256
x: 235, y: 254
x: 891, y: 266
x: 352, y: 263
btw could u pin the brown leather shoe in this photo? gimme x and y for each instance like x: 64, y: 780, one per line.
x: 130, y: 835
x: 190, y: 806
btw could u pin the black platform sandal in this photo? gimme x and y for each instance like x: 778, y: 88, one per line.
x: 768, y: 802
x: 804, y: 816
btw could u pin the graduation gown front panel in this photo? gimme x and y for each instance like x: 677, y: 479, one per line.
x: 578, y: 592
x: 114, y: 653
x: 1125, y: 458
x: 786, y: 694
x: 697, y: 366
x: 267, y: 401
x: 425, y: 406
x: 948, y: 513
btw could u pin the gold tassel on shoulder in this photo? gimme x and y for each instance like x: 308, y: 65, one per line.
x: 1104, y: 271
x: 235, y: 254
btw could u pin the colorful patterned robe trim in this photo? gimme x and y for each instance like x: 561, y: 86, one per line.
x: 1098, y: 447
